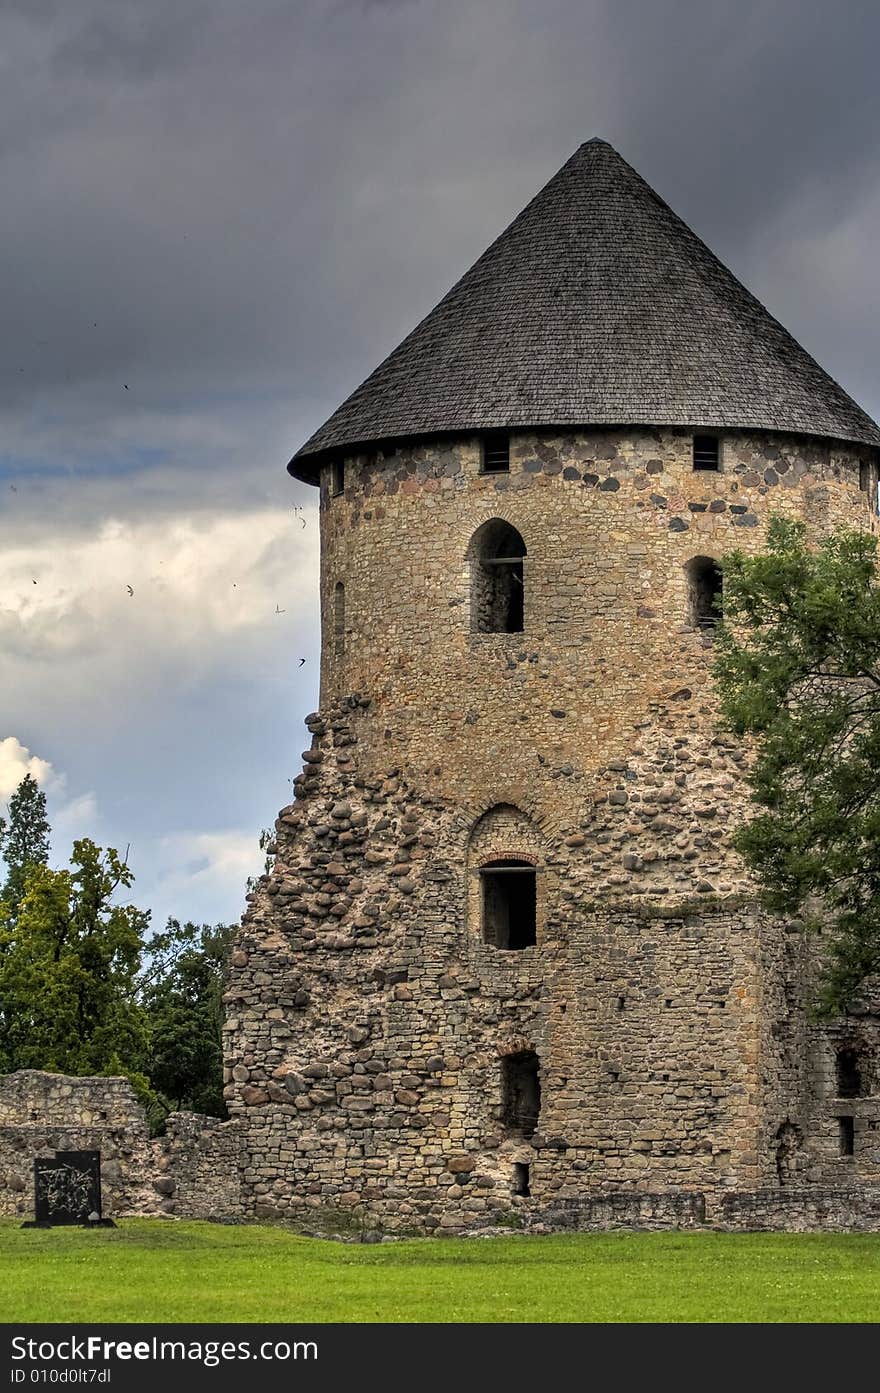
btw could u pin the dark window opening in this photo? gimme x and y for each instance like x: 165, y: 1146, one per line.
x: 521, y: 1093
x: 706, y: 452
x: 847, y: 1135
x: 495, y: 453
x: 788, y: 1143
x: 704, y: 592
x: 509, y: 904
x: 337, y: 477
x: 339, y: 620
x: 497, y: 579
x: 521, y: 1178
x: 849, y: 1074
x: 621, y: 1003
x: 869, y: 484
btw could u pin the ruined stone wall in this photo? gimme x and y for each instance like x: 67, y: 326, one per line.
x: 197, y: 1167
x: 369, y: 1021
x: 193, y: 1171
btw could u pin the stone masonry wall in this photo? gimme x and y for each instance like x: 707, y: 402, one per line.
x: 192, y: 1171
x: 368, y: 1020
x: 610, y: 521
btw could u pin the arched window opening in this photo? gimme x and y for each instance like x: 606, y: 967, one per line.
x: 849, y: 1074
x: 509, y: 902
x: 497, y: 555
x: 704, y: 592
x: 339, y: 620
x: 521, y: 1094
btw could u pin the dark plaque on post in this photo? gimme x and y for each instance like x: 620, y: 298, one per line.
x: 67, y: 1189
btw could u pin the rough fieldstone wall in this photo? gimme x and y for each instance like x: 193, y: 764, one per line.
x: 609, y: 522
x: 193, y: 1171
x: 43, y: 1113
x: 368, y: 1020
x: 197, y: 1167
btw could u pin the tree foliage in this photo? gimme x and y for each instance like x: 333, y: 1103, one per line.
x: 24, y: 839
x: 69, y: 961
x: 84, y: 989
x: 798, y: 667
x: 183, y: 998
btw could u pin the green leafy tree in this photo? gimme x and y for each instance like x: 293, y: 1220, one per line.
x: 798, y: 668
x: 182, y: 992
x: 24, y: 839
x: 69, y: 964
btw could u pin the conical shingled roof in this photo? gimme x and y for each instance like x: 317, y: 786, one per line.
x: 597, y: 306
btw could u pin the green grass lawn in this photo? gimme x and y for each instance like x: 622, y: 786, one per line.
x: 151, y: 1270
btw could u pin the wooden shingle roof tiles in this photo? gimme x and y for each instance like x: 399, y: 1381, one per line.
x: 596, y: 306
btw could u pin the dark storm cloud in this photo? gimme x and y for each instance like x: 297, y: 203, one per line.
x: 760, y: 124
x: 226, y: 202
x: 133, y: 41
x: 216, y: 217
x: 735, y: 106
x: 249, y: 205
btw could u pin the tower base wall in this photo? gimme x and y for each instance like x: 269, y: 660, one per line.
x: 681, y: 1081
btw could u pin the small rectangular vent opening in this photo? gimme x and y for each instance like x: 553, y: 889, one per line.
x: 847, y: 1135
x: 495, y: 453
x: 706, y: 452
x: 337, y: 477
x: 520, y: 1178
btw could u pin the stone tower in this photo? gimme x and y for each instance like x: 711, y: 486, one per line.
x: 506, y: 963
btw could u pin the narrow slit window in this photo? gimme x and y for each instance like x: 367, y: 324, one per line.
x: 339, y: 620
x: 849, y: 1074
x: 520, y: 1178
x: 497, y: 579
x: 495, y: 453
x: 704, y: 592
x: 509, y: 903
x: 870, y: 484
x: 846, y: 1135
x: 337, y: 477
x: 521, y: 1094
x: 706, y: 453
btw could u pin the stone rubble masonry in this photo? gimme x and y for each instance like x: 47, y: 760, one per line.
x: 683, y: 1079
x: 192, y: 1171
x: 367, y: 1020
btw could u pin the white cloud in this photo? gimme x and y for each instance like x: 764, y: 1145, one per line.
x: 204, y: 869
x: 76, y: 818
x: 16, y: 762
x: 145, y: 589
x: 69, y: 818
x: 178, y: 705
